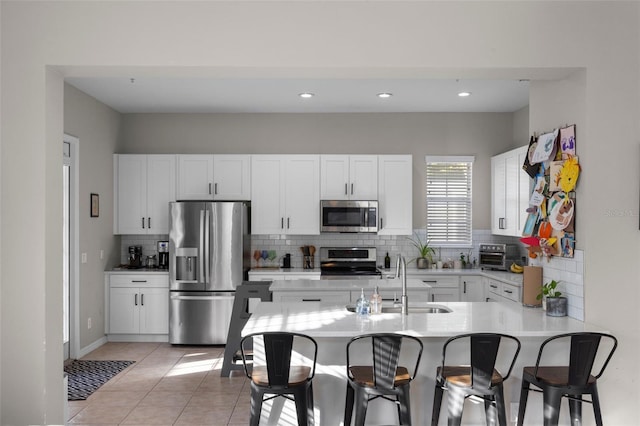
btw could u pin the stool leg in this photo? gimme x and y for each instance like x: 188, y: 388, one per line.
x: 524, y: 395
x: 348, y: 406
x: 490, y: 410
x: 575, y: 410
x: 551, y: 398
x: 310, y: 410
x: 455, y: 405
x: 361, y: 402
x: 300, y: 395
x: 256, y: 405
x: 596, y: 405
x: 404, y: 406
x: 437, y: 402
x: 500, y: 407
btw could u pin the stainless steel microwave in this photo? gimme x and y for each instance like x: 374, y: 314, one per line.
x: 349, y: 216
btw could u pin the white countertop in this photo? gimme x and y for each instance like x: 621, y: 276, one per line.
x: 330, y: 320
x: 346, y: 285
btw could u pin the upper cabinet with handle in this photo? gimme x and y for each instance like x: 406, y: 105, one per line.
x: 214, y: 177
x: 286, y: 194
x: 144, y: 185
x: 510, y: 192
x: 395, y: 195
x: 349, y: 177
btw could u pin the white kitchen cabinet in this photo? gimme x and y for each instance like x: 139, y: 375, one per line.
x: 501, y: 292
x: 471, y: 289
x: 349, y: 177
x: 214, y: 177
x: 340, y: 297
x: 138, y: 304
x: 285, y: 194
x: 395, y: 195
x: 144, y: 185
x: 444, y: 288
x: 509, y: 192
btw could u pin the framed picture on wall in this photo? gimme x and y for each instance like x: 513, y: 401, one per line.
x: 95, y: 205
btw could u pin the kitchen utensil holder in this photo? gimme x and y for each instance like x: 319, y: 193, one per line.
x: 308, y: 262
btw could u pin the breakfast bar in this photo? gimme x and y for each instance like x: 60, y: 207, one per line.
x: 332, y: 326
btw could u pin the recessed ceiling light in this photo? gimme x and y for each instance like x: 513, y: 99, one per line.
x: 384, y: 95
x: 306, y: 95
x: 464, y: 94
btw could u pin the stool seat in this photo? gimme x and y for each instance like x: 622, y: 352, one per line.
x: 298, y: 374
x: 460, y: 375
x: 552, y: 376
x: 363, y: 375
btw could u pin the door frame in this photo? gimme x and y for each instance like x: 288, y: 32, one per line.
x: 74, y: 248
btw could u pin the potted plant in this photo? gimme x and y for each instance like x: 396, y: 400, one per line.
x: 426, y: 252
x: 556, y: 304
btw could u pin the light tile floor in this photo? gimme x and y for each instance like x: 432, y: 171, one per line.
x: 167, y: 385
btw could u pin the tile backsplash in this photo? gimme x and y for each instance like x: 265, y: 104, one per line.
x: 568, y: 271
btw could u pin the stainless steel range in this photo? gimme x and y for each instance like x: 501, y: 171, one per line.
x: 348, y: 263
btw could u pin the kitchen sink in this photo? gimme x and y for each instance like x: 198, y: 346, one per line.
x: 433, y: 309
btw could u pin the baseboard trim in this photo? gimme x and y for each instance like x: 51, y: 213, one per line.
x: 92, y: 347
x: 154, y: 338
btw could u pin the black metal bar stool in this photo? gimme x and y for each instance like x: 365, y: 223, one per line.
x: 384, y: 378
x: 571, y: 381
x: 479, y: 378
x: 278, y: 376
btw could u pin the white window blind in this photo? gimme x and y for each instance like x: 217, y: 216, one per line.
x: 449, y: 200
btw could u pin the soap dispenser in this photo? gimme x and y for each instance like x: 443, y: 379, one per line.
x: 362, y: 304
x: 376, y: 302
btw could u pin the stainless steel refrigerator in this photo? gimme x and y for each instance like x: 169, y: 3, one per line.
x: 209, y: 244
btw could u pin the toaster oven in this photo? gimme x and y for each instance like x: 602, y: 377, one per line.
x: 497, y: 256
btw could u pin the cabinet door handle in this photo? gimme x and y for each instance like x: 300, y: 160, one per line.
x: 288, y: 222
x: 135, y: 299
x: 312, y: 300
x: 346, y: 192
x: 282, y: 223
x: 464, y: 287
x: 351, y: 188
x: 493, y: 286
x: 209, y: 188
x: 149, y: 222
x: 142, y: 300
x: 508, y: 291
x: 143, y: 223
x: 215, y: 189
x: 430, y: 281
x: 501, y: 223
x: 433, y: 297
x: 138, y: 281
x: 381, y: 223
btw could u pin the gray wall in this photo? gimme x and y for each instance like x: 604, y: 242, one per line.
x: 97, y: 127
x: 420, y: 134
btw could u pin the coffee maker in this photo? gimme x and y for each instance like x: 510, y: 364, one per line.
x: 135, y: 256
x: 163, y: 254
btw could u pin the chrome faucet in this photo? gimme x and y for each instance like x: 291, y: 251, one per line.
x: 401, y: 272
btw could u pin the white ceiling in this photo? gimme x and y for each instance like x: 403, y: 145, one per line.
x: 159, y: 94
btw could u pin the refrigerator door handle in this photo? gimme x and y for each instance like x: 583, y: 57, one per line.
x: 201, y: 256
x: 207, y: 246
x: 202, y: 297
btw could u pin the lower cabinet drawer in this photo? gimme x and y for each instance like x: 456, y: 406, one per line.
x: 139, y: 280
x: 321, y: 296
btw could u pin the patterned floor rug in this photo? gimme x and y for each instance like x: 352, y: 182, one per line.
x: 86, y: 376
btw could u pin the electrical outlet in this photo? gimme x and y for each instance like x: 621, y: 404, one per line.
x: 83, y: 258
x: 89, y: 323
x: 513, y: 412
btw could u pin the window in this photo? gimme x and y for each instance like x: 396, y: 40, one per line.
x: 448, y: 187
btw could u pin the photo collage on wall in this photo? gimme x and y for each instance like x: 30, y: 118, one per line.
x: 552, y: 163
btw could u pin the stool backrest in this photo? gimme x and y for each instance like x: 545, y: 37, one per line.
x: 583, y: 350
x: 484, y: 348
x: 386, y: 349
x: 278, y: 348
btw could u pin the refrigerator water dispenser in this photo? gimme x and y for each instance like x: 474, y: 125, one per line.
x: 186, y: 264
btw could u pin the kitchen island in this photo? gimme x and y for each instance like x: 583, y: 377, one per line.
x: 332, y: 326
